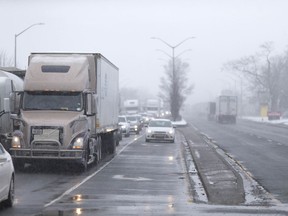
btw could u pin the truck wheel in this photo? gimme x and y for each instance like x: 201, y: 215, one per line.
x: 84, y: 161
x: 117, y: 139
x: 112, y: 144
x: 99, y: 150
x: 10, y: 201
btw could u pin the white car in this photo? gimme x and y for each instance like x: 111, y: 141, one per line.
x: 125, y: 125
x: 160, y: 129
x: 135, y: 125
x: 7, y: 178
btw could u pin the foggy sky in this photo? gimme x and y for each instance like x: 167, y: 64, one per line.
x: 122, y: 29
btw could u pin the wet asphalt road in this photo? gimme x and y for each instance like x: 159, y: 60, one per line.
x: 142, y: 179
x: 262, y: 149
x: 147, y: 175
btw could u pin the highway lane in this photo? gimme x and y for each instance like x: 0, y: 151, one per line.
x: 150, y: 175
x: 38, y: 185
x: 146, y: 178
x: 261, y: 148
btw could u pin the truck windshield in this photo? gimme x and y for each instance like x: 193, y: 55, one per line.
x: 69, y: 101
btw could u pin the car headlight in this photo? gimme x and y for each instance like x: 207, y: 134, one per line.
x: 149, y: 131
x: 135, y: 126
x: 171, y: 132
x: 78, y: 143
x: 123, y: 126
x: 16, y: 142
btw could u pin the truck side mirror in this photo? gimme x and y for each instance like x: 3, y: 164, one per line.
x: 6, y: 105
x: 15, y: 102
x: 90, y: 105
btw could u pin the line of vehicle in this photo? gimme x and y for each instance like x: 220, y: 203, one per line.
x: 90, y: 176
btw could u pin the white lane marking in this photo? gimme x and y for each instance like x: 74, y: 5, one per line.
x: 121, y: 177
x: 88, y: 177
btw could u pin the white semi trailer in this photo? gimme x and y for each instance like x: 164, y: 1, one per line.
x: 153, y: 107
x: 69, y: 109
x: 226, y: 109
x: 9, y: 83
x: 131, y: 106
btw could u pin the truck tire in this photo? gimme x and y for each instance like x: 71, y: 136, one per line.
x: 112, y: 144
x: 84, y: 161
x: 99, y: 150
x: 117, y: 139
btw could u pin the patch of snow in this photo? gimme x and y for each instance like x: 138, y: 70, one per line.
x: 180, y: 123
x: 265, y: 119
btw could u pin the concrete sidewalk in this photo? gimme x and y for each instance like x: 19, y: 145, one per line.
x: 222, y: 183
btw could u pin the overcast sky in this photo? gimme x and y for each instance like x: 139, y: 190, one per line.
x: 122, y: 29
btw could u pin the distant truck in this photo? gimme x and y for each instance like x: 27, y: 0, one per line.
x: 153, y: 107
x: 131, y: 106
x: 9, y: 83
x: 226, y: 109
x: 69, y: 109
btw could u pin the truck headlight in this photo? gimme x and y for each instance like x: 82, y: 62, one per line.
x: 78, y: 143
x: 16, y: 142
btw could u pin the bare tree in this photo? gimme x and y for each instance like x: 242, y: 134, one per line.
x: 263, y: 71
x: 174, y: 86
x: 5, y: 61
x: 283, y: 102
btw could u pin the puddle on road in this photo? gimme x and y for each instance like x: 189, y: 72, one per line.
x: 70, y: 212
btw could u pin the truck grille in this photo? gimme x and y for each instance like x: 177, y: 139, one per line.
x: 45, y: 144
x: 46, y: 137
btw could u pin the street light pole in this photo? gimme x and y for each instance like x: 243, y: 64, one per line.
x: 173, y: 59
x: 173, y: 49
x: 15, y: 41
